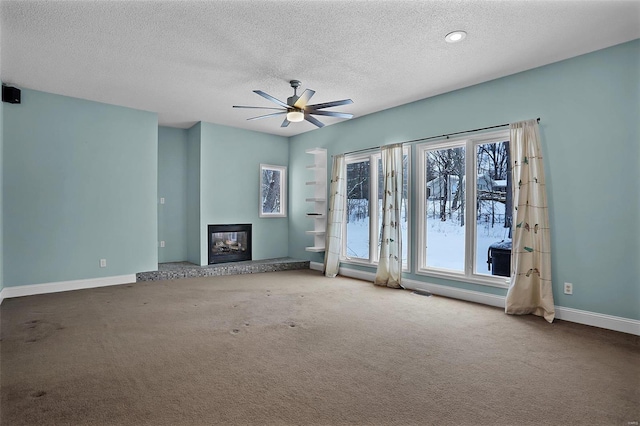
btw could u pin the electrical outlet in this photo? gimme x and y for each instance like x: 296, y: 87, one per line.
x: 103, y: 263
x: 161, y: 243
x: 162, y: 200
x: 568, y: 288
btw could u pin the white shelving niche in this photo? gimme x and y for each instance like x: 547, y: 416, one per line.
x: 318, y: 202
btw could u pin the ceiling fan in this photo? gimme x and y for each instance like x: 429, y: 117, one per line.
x: 296, y: 108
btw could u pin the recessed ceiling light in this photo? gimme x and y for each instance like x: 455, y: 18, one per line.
x: 455, y: 36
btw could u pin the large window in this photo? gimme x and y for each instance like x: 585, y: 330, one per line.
x: 364, y: 209
x: 464, y: 201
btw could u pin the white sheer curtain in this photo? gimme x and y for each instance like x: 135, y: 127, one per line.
x: 389, y: 272
x: 337, y: 194
x: 530, y: 288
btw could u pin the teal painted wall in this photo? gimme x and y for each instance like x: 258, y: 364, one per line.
x: 193, y: 194
x: 214, y: 171
x: 1, y: 195
x: 172, y: 186
x: 80, y: 184
x: 589, y: 106
x: 230, y: 176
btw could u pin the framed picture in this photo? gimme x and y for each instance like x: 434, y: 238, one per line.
x: 273, y: 191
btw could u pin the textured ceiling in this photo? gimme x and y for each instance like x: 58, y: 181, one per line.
x: 191, y: 61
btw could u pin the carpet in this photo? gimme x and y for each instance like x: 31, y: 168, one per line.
x: 296, y: 348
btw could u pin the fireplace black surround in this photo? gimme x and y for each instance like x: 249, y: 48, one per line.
x: 229, y: 243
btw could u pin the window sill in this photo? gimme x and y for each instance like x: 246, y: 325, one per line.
x: 366, y: 263
x: 502, y: 282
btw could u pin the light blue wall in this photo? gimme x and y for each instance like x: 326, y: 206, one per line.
x: 589, y: 106
x: 80, y: 185
x: 172, y: 186
x: 216, y: 169
x: 230, y: 176
x: 193, y: 194
x: 1, y: 197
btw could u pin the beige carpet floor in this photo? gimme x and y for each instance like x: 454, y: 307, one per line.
x: 295, y: 348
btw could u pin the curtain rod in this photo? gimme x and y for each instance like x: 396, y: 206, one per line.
x: 434, y: 137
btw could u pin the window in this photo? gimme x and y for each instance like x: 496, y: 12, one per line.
x: 363, y: 216
x: 273, y: 191
x: 464, y: 207
x: 359, y: 188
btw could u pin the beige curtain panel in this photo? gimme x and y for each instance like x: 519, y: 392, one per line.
x: 389, y: 272
x: 337, y: 197
x: 530, y: 287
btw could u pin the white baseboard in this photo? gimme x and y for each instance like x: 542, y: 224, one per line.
x: 33, y: 289
x: 610, y: 322
x: 625, y: 325
x: 456, y: 293
x: 316, y: 266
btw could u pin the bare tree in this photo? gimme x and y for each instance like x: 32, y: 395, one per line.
x: 493, y: 165
x: 270, y: 191
x: 508, y: 209
x: 447, y: 163
x: 358, y: 190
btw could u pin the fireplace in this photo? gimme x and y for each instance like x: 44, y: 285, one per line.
x: 229, y: 243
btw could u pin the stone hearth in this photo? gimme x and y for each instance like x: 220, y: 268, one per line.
x: 178, y: 270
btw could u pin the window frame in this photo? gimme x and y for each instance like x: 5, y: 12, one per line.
x: 467, y: 275
x: 283, y: 191
x: 374, y: 222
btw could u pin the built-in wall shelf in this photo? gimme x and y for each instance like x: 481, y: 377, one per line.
x: 315, y: 249
x: 319, y: 198
x: 322, y: 151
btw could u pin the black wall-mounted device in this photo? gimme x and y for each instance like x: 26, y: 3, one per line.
x: 10, y: 94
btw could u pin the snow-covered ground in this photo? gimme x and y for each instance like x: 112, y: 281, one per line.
x: 445, y: 240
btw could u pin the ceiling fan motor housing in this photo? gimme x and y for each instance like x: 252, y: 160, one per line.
x: 295, y: 84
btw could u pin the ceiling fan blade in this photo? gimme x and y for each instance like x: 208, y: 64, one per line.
x: 312, y: 120
x: 330, y: 104
x: 271, y: 98
x: 331, y: 114
x: 267, y: 116
x: 304, y: 98
x: 252, y: 107
x: 285, y: 123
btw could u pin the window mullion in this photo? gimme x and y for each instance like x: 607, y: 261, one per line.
x: 373, y: 208
x: 422, y: 202
x: 470, y: 211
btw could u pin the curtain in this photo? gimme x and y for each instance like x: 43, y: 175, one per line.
x: 337, y: 193
x: 530, y: 287
x: 389, y: 272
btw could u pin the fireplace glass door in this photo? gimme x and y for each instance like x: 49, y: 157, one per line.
x: 229, y: 243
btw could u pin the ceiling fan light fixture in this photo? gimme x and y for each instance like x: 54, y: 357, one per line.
x: 295, y: 116
x: 455, y: 36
